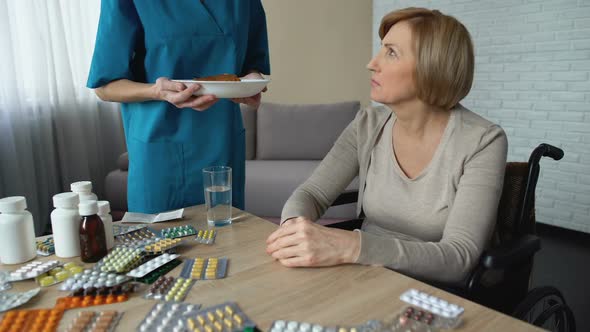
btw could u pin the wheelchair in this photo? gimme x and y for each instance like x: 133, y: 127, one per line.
x: 501, y: 279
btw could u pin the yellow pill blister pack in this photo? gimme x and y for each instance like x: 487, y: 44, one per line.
x: 205, y: 268
x: 206, y: 236
x: 59, y: 274
x: 225, y: 317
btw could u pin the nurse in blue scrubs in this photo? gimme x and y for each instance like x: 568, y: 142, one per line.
x: 171, y: 134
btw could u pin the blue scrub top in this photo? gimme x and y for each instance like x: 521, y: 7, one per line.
x: 181, y: 39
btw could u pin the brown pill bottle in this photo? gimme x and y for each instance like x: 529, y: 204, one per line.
x: 93, y: 244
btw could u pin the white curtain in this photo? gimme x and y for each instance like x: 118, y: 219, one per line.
x: 53, y: 130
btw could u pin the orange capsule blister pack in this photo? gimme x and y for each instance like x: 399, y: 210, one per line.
x: 71, y: 302
x: 43, y: 320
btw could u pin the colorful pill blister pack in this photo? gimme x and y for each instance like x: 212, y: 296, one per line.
x: 91, y: 321
x: 46, y: 247
x: 59, y: 274
x: 167, y: 317
x: 369, y: 326
x: 140, y: 243
x: 169, y: 289
x: 430, y: 310
x: 33, y: 270
x: 12, y: 300
x: 5, y: 281
x: 72, y: 302
x: 225, y: 317
x: 124, y: 229
x: 92, y: 278
x: 296, y: 326
x: 205, y: 268
x: 151, y: 265
x: 206, y: 236
x: 179, y: 231
x: 135, y: 237
x: 120, y: 260
x: 43, y: 320
x: 161, y: 245
x: 151, y: 277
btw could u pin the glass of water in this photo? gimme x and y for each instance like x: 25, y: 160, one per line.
x: 217, y: 186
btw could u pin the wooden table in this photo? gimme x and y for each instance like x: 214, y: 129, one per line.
x: 267, y: 291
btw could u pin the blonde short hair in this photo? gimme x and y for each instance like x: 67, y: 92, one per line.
x: 444, y: 54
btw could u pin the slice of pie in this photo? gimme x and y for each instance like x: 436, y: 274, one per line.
x: 222, y: 77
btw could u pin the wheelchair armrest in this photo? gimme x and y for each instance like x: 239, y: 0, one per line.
x: 511, y: 253
x: 347, y: 197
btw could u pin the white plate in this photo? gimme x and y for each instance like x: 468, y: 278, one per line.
x: 228, y: 89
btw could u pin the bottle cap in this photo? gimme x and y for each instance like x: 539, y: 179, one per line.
x: 81, y: 186
x: 13, y: 204
x: 88, y: 208
x: 66, y: 200
x: 104, y: 207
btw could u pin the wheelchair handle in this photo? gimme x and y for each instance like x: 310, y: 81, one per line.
x: 551, y: 151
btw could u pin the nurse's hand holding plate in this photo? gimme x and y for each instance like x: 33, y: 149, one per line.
x: 254, y: 100
x: 245, y: 90
x: 182, y: 95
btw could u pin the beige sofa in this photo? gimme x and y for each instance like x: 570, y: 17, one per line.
x: 284, y: 144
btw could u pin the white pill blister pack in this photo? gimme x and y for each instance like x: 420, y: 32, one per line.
x: 151, y: 265
x: 33, y: 270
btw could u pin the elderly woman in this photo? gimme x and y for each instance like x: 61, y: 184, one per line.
x: 430, y: 170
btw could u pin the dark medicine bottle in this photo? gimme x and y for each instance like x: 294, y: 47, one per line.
x: 93, y: 244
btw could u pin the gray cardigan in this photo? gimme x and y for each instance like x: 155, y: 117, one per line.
x: 468, y: 174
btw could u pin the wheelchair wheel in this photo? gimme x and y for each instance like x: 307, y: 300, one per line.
x: 545, y: 307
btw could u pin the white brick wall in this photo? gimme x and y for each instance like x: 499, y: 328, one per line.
x: 532, y: 77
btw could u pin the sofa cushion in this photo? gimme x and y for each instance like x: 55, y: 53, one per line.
x: 116, y: 189
x: 249, y: 118
x: 123, y: 161
x: 300, y: 132
x: 269, y: 183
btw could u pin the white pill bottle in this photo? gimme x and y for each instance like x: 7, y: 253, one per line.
x: 84, y: 190
x: 104, y: 210
x: 65, y: 223
x: 17, y: 231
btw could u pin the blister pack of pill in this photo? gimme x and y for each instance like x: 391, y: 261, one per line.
x: 5, y: 281
x: 136, y: 237
x: 120, y: 260
x: 92, y: 278
x: 151, y: 265
x: 124, y: 229
x: 93, y: 321
x: 431, y: 310
x: 167, y: 317
x: 140, y: 243
x: 169, y: 289
x: 43, y: 320
x: 46, y: 247
x: 12, y: 300
x: 59, y: 274
x: 126, y: 288
x: 369, y: 326
x: 225, y: 317
x: 161, y: 246
x: 205, y: 268
x: 178, y: 231
x: 206, y: 236
x: 33, y: 270
x: 72, y: 302
x: 151, y: 277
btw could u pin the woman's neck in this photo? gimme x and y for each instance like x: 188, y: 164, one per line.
x: 419, y: 120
